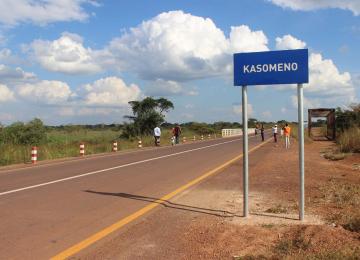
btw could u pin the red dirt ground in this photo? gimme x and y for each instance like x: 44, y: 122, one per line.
x: 206, y: 221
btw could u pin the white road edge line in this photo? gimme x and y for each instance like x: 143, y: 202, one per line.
x: 113, y: 168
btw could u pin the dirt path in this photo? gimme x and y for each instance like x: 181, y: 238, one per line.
x: 206, y: 222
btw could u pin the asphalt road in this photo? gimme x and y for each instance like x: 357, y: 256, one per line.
x: 48, y: 208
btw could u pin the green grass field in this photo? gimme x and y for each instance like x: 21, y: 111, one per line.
x: 62, y: 144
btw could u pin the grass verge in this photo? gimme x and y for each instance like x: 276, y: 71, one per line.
x: 62, y: 144
x: 349, y: 140
x: 343, y: 200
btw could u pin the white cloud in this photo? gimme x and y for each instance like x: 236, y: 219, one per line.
x: 5, y: 54
x: 6, y: 117
x: 266, y: 114
x: 187, y: 116
x: 242, y: 39
x: 6, y: 94
x: 3, y: 39
x: 288, y: 42
x: 13, y: 12
x: 327, y: 82
x: 179, y: 46
x: 66, y: 111
x: 344, y: 49
x: 307, y: 5
x: 86, y: 111
x: 165, y: 88
x: 307, y: 102
x: 237, y: 109
x: 72, y: 111
x: 173, y: 46
x: 111, y: 91
x: 9, y: 75
x: 45, y: 92
x: 66, y: 54
x: 327, y: 85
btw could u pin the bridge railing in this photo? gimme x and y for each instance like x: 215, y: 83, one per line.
x: 235, y: 132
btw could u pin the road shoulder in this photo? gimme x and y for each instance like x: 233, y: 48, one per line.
x: 206, y: 221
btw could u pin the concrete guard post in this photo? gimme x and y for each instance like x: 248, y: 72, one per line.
x: 82, y: 149
x: 115, y: 146
x: 33, y: 154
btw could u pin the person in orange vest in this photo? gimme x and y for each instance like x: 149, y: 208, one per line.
x: 287, y: 131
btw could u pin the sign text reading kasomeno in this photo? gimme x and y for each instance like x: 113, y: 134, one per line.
x: 271, y: 67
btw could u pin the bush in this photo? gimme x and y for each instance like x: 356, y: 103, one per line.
x: 349, y: 140
x: 129, y: 131
x: 353, y: 224
x: 200, y: 128
x: 348, y: 118
x: 32, y: 133
x: 294, y: 133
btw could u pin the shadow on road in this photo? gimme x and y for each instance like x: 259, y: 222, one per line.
x: 172, y: 205
x: 169, y: 204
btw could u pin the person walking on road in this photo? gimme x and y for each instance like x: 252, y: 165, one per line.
x: 157, y: 134
x: 177, y: 132
x: 287, y: 131
x: 262, y: 132
x: 275, y: 131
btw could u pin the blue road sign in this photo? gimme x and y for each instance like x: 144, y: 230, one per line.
x: 271, y: 67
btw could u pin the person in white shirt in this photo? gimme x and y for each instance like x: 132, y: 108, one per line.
x: 157, y: 134
x: 275, y: 131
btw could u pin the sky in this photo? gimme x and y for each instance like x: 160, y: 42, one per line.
x: 82, y: 61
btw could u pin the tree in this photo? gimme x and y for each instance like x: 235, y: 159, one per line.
x: 32, y: 133
x: 147, y: 114
x: 252, y: 122
x: 347, y: 118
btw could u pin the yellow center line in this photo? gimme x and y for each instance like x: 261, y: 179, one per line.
x: 110, y: 229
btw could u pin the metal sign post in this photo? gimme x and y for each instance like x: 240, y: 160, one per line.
x: 301, y: 151
x: 245, y: 152
x: 267, y: 68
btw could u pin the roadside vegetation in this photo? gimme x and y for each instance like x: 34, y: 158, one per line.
x: 63, y: 141
x: 348, y: 128
x: 53, y: 142
x: 295, y: 134
x: 343, y: 200
x: 347, y: 133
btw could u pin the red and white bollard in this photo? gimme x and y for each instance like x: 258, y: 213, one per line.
x: 194, y: 138
x: 33, y: 154
x: 139, y: 144
x: 184, y: 139
x: 202, y: 137
x: 82, y: 149
x: 114, y: 149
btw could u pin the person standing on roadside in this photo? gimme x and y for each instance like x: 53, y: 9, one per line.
x: 275, y: 131
x: 287, y: 131
x: 157, y: 134
x: 177, y: 132
x: 262, y: 132
x: 282, y: 131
